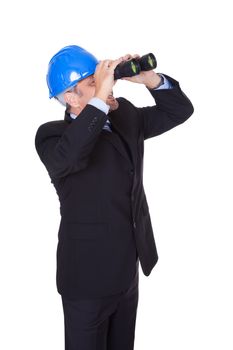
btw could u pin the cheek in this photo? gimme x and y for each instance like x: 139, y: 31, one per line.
x: 88, y: 94
x: 92, y: 92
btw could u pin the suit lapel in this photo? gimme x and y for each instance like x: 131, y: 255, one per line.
x: 118, y: 136
x: 119, y: 125
x: 114, y: 138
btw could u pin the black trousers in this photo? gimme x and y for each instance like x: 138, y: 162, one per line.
x: 104, y: 323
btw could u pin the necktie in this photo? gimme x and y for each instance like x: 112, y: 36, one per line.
x: 107, y: 125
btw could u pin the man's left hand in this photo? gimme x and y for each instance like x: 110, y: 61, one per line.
x: 148, y: 78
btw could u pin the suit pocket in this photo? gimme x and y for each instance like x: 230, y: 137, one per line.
x: 87, y: 230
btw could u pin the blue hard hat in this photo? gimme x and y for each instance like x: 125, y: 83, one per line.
x: 68, y: 66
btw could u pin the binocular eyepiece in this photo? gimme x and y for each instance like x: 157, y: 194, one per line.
x: 135, y: 66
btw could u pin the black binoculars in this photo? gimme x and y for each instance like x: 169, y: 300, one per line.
x: 135, y: 66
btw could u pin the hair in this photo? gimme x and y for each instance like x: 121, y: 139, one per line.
x: 60, y: 97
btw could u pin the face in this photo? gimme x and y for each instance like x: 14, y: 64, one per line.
x: 84, y: 91
x: 87, y: 90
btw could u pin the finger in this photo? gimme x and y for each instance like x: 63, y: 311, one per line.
x: 113, y: 64
x: 99, y: 64
x: 109, y: 61
x: 105, y: 62
x: 127, y: 57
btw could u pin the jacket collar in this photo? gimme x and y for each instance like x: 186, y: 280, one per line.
x: 69, y: 119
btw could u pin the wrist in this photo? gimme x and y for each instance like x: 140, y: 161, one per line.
x: 156, y: 81
x: 102, y: 95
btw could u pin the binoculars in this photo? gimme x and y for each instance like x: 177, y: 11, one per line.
x: 135, y: 66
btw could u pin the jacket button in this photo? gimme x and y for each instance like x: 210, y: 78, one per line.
x: 134, y: 224
x: 131, y: 171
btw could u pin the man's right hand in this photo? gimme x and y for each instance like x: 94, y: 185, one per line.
x: 104, y: 78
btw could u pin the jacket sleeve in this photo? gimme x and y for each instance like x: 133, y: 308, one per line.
x: 66, y: 152
x: 172, y: 108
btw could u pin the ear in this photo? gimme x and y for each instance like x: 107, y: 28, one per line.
x: 72, y: 99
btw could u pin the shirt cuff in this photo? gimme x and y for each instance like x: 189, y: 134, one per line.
x: 166, y: 85
x: 98, y: 103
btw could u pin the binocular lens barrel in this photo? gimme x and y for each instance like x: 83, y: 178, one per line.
x: 135, y: 66
x: 127, y: 69
x: 148, y: 62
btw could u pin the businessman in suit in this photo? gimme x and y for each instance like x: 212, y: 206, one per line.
x: 94, y: 158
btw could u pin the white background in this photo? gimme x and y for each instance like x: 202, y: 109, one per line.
x: 186, y: 302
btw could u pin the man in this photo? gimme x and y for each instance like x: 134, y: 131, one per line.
x: 94, y: 158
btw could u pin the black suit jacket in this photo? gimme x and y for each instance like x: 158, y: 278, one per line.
x: 98, y: 176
